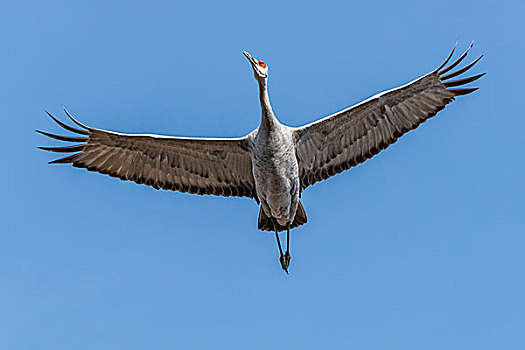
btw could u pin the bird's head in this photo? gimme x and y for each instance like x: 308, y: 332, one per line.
x: 260, y: 69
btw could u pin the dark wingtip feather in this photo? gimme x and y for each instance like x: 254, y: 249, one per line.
x: 68, y: 159
x: 63, y: 138
x: 74, y: 120
x: 463, y: 81
x: 465, y: 91
x: 66, y: 149
x: 448, y: 58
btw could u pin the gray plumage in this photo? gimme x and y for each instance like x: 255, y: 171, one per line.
x: 274, y: 163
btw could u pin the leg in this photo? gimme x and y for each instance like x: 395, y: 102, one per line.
x: 281, y: 257
x: 287, y: 256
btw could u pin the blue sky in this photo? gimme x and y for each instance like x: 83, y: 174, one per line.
x: 419, y: 248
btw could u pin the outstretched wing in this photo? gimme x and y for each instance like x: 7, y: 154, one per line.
x: 220, y: 167
x: 338, y: 142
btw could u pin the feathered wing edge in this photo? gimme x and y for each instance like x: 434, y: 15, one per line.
x: 441, y: 70
x: 67, y: 149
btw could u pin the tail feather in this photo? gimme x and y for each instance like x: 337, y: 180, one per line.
x: 300, y: 216
x: 265, y: 223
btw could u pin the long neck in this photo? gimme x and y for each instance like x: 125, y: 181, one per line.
x: 269, y: 121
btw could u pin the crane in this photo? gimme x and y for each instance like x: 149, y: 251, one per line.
x: 274, y: 163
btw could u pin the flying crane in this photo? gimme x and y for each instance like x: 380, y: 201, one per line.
x: 274, y: 163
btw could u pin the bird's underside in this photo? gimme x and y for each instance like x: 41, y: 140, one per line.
x: 225, y: 167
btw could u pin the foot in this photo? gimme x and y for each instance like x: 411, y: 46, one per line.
x: 285, y: 261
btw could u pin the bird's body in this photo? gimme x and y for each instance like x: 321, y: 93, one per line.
x: 274, y: 163
x: 276, y: 172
